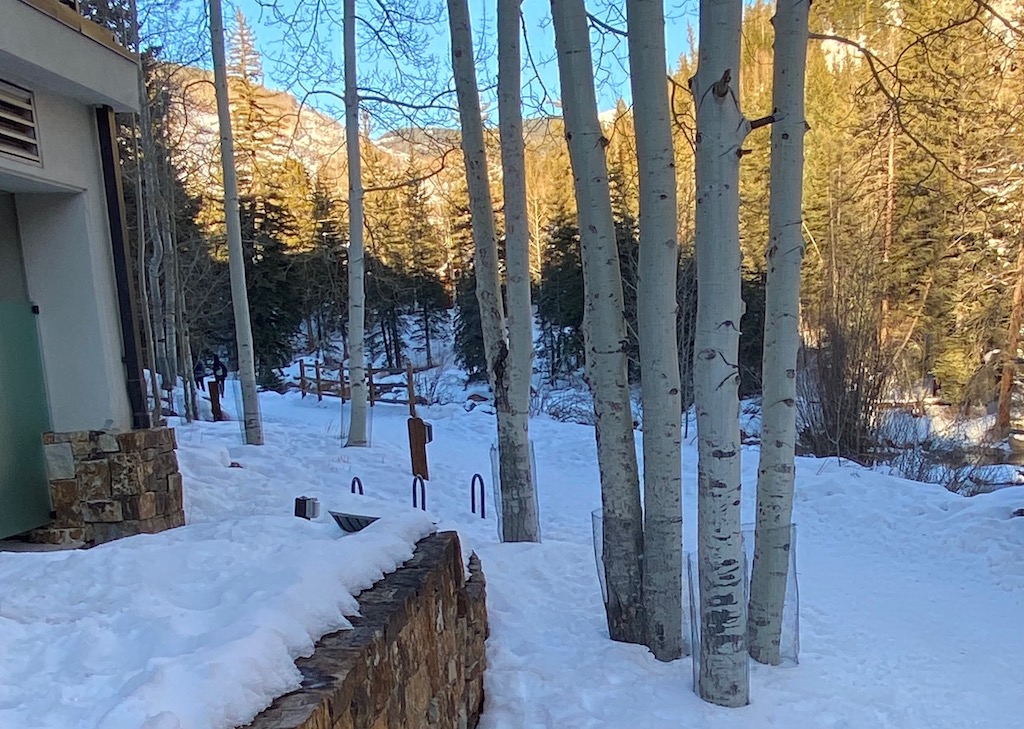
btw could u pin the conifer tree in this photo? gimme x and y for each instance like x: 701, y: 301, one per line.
x: 275, y: 304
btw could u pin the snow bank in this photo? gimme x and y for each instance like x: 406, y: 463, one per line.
x: 912, y: 597
x: 198, y: 627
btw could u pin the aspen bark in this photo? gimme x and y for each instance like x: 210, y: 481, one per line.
x: 155, y: 265
x: 140, y: 265
x: 518, y: 491
x: 888, y: 215
x: 776, y: 469
x: 1009, y: 358
x: 147, y: 326
x: 236, y: 265
x: 721, y: 129
x: 171, y: 287
x: 656, y: 302
x: 519, y: 518
x: 604, y: 326
x: 357, y: 434
x: 181, y: 317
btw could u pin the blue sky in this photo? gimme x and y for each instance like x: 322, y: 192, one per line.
x: 612, y: 77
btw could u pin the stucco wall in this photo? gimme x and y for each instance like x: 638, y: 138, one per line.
x: 65, y: 241
x: 53, y: 55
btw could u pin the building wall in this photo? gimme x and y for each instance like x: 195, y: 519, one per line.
x: 61, y: 51
x: 65, y: 241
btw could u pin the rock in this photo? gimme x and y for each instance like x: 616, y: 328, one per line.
x: 143, y: 506
x: 102, y: 511
x: 108, y: 443
x: 125, y: 474
x: 93, y: 480
x: 60, y: 462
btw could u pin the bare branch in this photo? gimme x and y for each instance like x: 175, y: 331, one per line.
x: 413, y: 180
x: 598, y: 23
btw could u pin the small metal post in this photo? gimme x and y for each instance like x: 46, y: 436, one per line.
x: 418, y: 481
x: 477, y: 479
x: 319, y: 390
x: 357, y: 484
x: 302, y: 376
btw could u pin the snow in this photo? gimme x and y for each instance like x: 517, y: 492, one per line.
x: 200, y: 626
x: 912, y: 598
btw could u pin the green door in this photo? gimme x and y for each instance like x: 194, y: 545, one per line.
x: 24, y: 417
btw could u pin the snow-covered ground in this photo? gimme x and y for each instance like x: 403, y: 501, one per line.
x: 912, y: 597
x: 197, y: 627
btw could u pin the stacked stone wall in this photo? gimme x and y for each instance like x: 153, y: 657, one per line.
x: 104, y: 486
x: 414, y: 658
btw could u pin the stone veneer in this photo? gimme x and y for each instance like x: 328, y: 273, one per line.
x: 106, y: 485
x: 413, y: 659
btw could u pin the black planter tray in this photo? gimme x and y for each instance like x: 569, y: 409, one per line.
x: 351, y: 523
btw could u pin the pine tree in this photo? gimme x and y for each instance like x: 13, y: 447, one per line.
x: 256, y: 126
x: 275, y: 304
x: 323, y: 270
x: 560, y: 299
x: 427, y: 257
x: 469, y: 337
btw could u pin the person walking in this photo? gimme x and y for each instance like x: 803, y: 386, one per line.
x: 220, y: 372
x: 199, y: 373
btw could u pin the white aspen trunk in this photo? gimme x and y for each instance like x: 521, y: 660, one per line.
x: 656, y: 314
x: 426, y: 336
x: 236, y: 264
x: 721, y: 129
x: 170, y: 285
x: 776, y: 469
x: 191, y: 398
x: 155, y: 265
x: 888, y: 215
x: 147, y: 325
x: 1009, y: 367
x: 357, y: 432
x: 181, y: 317
x: 604, y: 326
x: 520, y: 520
x: 140, y: 265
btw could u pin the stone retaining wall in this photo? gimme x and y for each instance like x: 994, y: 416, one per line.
x: 104, y: 486
x: 415, y: 658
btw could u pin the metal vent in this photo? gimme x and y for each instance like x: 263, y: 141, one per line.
x: 18, y: 136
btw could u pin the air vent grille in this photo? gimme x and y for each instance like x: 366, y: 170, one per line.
x: 18, y: 136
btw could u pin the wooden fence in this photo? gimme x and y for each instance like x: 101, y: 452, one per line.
x: 313, y: 382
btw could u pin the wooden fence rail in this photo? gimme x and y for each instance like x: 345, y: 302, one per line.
x: 319, y: 385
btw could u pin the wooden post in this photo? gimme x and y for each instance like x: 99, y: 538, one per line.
x: 214, y: 389
x: 302, y: 376
x: 373, y: 395
x: 319, y: 391
x: 417, y: 431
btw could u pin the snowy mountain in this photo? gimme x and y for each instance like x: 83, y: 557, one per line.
x: 313, y: 137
